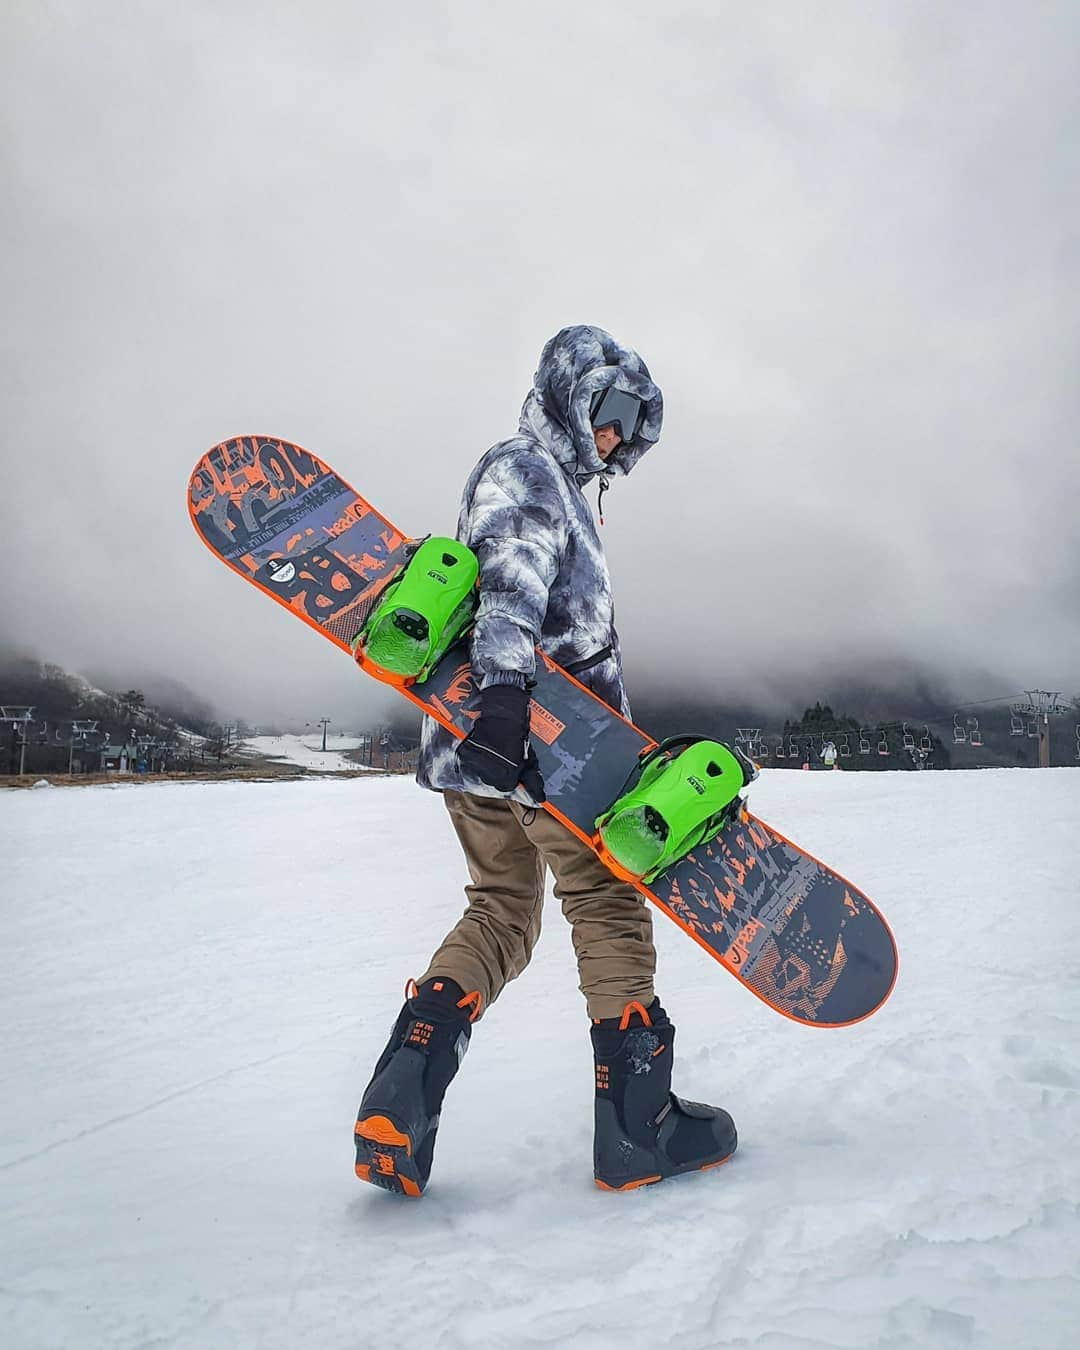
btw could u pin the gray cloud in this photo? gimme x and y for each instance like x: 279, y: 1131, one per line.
x: 844, y: 238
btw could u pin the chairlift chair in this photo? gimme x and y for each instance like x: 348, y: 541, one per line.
x: 959, y: 733
x: 1016, y: 724
x: 883, y: 744
x: 926, y: 741
x: 845, y: 747
x: 976, y: 734
x: 793, y: 749
x: 780, y: 752
x: 909, y: 739
x: 864, y: 743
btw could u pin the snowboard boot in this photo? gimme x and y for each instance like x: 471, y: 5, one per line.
x: 643, y: 1131
x: 399, y: 1113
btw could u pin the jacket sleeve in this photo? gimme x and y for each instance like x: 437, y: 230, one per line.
x: 516, y: 525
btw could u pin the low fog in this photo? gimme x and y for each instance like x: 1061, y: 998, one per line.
x: 843, y: 237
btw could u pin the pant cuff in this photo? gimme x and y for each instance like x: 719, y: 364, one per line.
x: 611, y: 1005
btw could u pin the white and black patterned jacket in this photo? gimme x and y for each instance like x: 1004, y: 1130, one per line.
x: 543, y: 577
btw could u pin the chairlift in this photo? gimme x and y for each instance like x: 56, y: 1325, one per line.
x: 926, y: 741
x: 1078, y: 740
x: 1033, y: 728
x: 883, y: 744
x: 909, y: 739
x: 864, y: 743
x: 1016, y: 724
x: 780, y: 752
x: 845, y: 746
x: 959, y: 732
x: 793, y: 748
x: 976, y: 734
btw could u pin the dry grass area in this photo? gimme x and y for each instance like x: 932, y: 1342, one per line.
x: 249, y: 773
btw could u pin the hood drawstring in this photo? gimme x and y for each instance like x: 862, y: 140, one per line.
x: 604, y: 485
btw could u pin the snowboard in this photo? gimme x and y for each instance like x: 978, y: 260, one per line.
x: 793, y: 931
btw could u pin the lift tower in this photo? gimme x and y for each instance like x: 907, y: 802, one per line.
x: 1041, y: 705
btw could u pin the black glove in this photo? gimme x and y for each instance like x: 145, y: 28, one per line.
x: 497, y: 750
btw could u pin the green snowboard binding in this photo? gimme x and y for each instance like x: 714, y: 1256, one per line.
x: 421, y: 613
x: 671, y: 804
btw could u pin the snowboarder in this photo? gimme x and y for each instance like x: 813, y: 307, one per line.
x: 828, y: 754
x: 593, y: 412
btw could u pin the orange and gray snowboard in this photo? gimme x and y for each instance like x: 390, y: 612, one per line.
x: 793, y: 931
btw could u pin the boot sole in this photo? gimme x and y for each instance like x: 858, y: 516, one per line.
x: 651, y: 1181
x: 385, y: 1155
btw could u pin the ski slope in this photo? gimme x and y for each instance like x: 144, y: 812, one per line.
x: 306, y: 752
x: 197, y: 979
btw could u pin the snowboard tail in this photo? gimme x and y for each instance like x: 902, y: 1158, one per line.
x: 790, y: 929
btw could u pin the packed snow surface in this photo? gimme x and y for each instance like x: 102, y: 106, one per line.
x: 197, y: 979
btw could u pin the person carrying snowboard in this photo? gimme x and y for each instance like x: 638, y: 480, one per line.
x: 592, y: 413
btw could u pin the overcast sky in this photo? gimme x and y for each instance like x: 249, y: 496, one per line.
x: 844, y: 236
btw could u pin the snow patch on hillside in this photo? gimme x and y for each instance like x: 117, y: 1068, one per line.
x: 305, y: 752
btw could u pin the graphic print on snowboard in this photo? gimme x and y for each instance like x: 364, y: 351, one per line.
x: 797, y: 934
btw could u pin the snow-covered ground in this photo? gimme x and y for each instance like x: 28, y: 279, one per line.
x: 306, y: 752
x: 197, y: 978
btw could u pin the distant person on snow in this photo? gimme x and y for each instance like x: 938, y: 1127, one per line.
x: 593, y: 412
x: 828, y: 754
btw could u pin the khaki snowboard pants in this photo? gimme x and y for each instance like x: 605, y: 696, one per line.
x: 507, y: 848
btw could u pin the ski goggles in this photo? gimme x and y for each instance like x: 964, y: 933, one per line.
x: 612, y: 408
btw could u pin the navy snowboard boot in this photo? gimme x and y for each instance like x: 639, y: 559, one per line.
x: 399, y: 1113
x: 643, y: 1131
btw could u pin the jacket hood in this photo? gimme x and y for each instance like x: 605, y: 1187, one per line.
x: 574, y: 364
